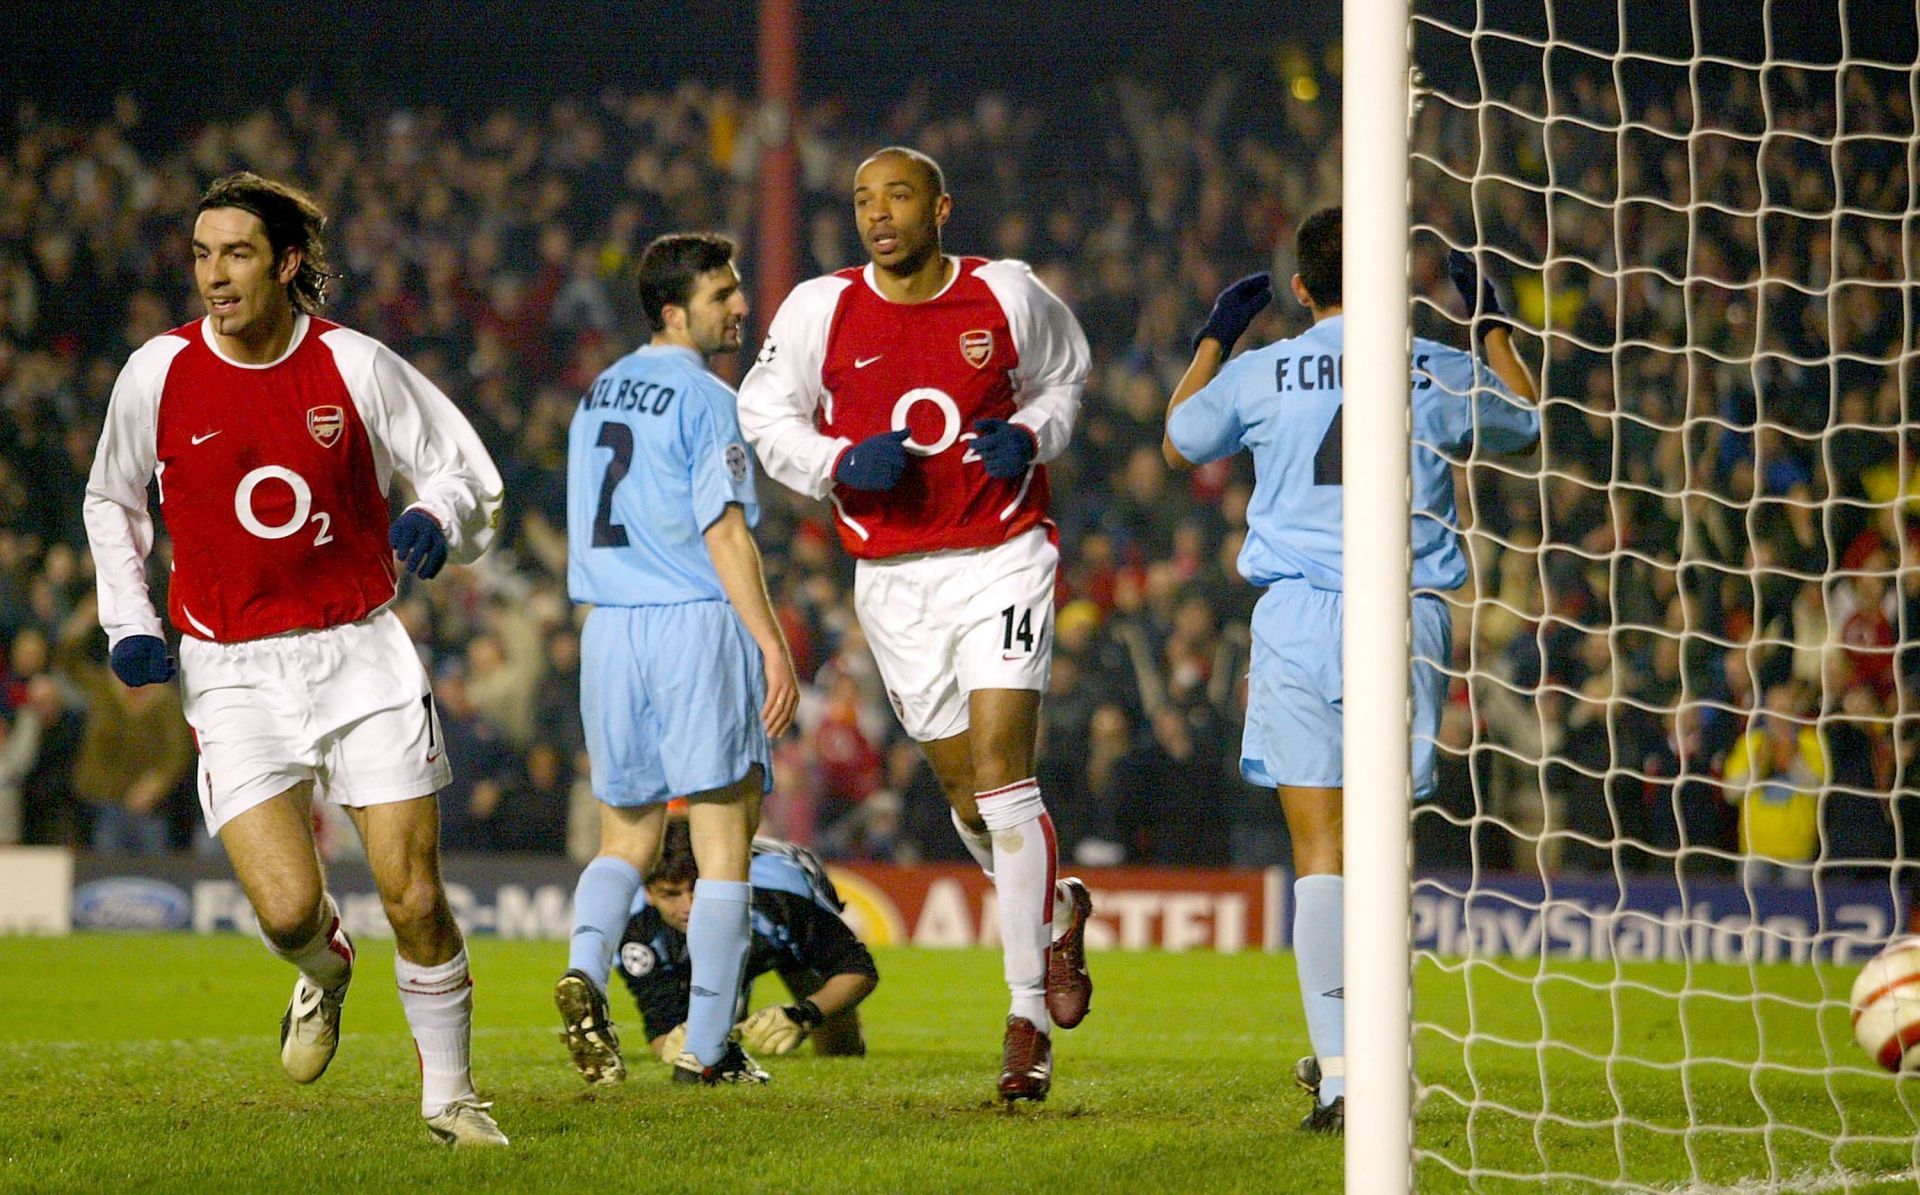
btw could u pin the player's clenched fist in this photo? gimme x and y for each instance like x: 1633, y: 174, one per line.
x: 1235, y: 309
x: 419, y: 543
x: 875, y: 463
x: 1006, y: 449
x: 777, y: 1030
x: 1476, y: 291
x: 141, y: 660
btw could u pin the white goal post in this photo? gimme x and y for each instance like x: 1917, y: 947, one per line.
x: 1375, y: 644
x: 1679, y: 798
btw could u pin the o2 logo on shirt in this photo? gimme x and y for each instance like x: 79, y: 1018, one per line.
x: 303, y: 512
x: 949, y: 415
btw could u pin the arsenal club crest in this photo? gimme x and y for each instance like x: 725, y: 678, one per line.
x: 976, y: 347
x: 326, y: 424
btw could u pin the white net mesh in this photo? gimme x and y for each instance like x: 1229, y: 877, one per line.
x: 1678, y: 774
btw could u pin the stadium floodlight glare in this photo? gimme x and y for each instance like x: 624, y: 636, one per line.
x: 1677, y: 770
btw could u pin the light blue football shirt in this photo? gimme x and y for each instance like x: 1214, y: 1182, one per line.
x: 1283, y: 404
x: 654, y: 455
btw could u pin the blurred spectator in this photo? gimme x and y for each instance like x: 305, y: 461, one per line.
x: 1730, y: 425
x: 134, y: 748
x: 1774, y: 774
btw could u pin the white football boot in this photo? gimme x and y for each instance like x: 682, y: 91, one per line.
x: 310, y: 1028
x: 466, y: 1122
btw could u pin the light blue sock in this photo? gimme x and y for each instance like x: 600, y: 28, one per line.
x: 719, y: 930
x: 1318, y: 917
x: 601, y: 903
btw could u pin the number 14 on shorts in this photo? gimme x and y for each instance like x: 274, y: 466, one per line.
x: 1020, y: 632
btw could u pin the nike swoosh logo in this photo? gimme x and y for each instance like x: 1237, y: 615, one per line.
x: 863, y: 362
x: 208, y: 436
x: 434, y: 758
x: 1004, y: 656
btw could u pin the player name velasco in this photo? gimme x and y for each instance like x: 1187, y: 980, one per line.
x: 1586, y: 925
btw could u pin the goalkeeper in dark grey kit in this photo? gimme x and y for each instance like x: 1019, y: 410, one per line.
x: 797, y: 932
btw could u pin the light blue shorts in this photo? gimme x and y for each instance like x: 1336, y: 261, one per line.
x: 671, y: 699
x: 1295, y: 711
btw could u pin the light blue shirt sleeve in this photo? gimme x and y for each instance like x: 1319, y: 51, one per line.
x: 722, y: 466
x: 1473, y: 405
x: 1208, y: 426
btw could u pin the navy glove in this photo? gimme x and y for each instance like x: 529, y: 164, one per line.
x: 1468, y: 280
x: 875, y: 463
x: 142, y: 660
x: 1235, y: 309
x: 1006, y: 449
x: 419, y: 543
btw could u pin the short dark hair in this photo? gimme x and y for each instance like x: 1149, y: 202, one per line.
x: 936, y: 177
x: 1317, y: 248
x: 675, y: 864
x: 670, y: 266
x: 293, y: 220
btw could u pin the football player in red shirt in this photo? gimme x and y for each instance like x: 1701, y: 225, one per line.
x: 922, y: 394
x: 272, y: 436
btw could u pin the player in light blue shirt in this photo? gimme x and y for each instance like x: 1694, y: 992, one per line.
x: 1283, y: 403
x: 685, y: 676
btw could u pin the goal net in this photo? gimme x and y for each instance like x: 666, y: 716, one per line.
x: 1678, y: 774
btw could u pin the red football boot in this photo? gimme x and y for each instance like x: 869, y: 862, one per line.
x: 1069, y: 987
x: 1026, y: 1069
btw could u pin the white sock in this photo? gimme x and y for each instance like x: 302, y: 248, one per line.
x: 1023, y: 871
x: 979, y: 843
x: 438, y: 1002
x: 326, y: 960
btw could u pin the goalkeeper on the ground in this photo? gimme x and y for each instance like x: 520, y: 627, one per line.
x: 797, y: 932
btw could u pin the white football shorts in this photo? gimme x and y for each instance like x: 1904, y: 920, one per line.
x: 348, y: 708
x: 942, y: 624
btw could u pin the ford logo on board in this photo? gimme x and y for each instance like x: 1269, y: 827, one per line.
x: 130, y: 902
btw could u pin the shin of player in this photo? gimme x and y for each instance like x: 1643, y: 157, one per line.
x: 922, y: 395
x: 685, y: 677
x: 1273, y: 400
x: 266, y: 422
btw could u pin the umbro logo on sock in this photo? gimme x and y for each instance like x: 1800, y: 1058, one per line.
x: 1339, y: 993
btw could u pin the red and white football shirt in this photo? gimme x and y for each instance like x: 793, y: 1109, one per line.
x: 841, y: 363
x: 273, y: 482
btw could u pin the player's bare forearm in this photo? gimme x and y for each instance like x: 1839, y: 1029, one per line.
x: 842, y: 992
x: 1506, y: 364
x: 736, y: 559
x: 1207, y: 359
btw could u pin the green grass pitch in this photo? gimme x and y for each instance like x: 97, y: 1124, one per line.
x: 131, y: 1063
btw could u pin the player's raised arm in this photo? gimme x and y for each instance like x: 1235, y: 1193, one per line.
x: 419, y: 433
x: 1210, y: 429
x: 1506, y: 415
x: 782, y: 391
x: 119, y: 529
x: 1054, y: 358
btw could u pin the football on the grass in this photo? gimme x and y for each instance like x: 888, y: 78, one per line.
x: 1886, y: 1006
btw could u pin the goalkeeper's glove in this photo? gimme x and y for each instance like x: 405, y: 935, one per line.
x: 777, y: 1030
x: 668, y: 1045
x: 1234, y: 310
x: 1476, y: 291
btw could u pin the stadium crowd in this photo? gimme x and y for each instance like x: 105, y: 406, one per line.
x: 1690, y: 607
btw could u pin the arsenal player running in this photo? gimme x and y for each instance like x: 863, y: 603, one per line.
x: 272, y: 436
x: 922, y: 395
